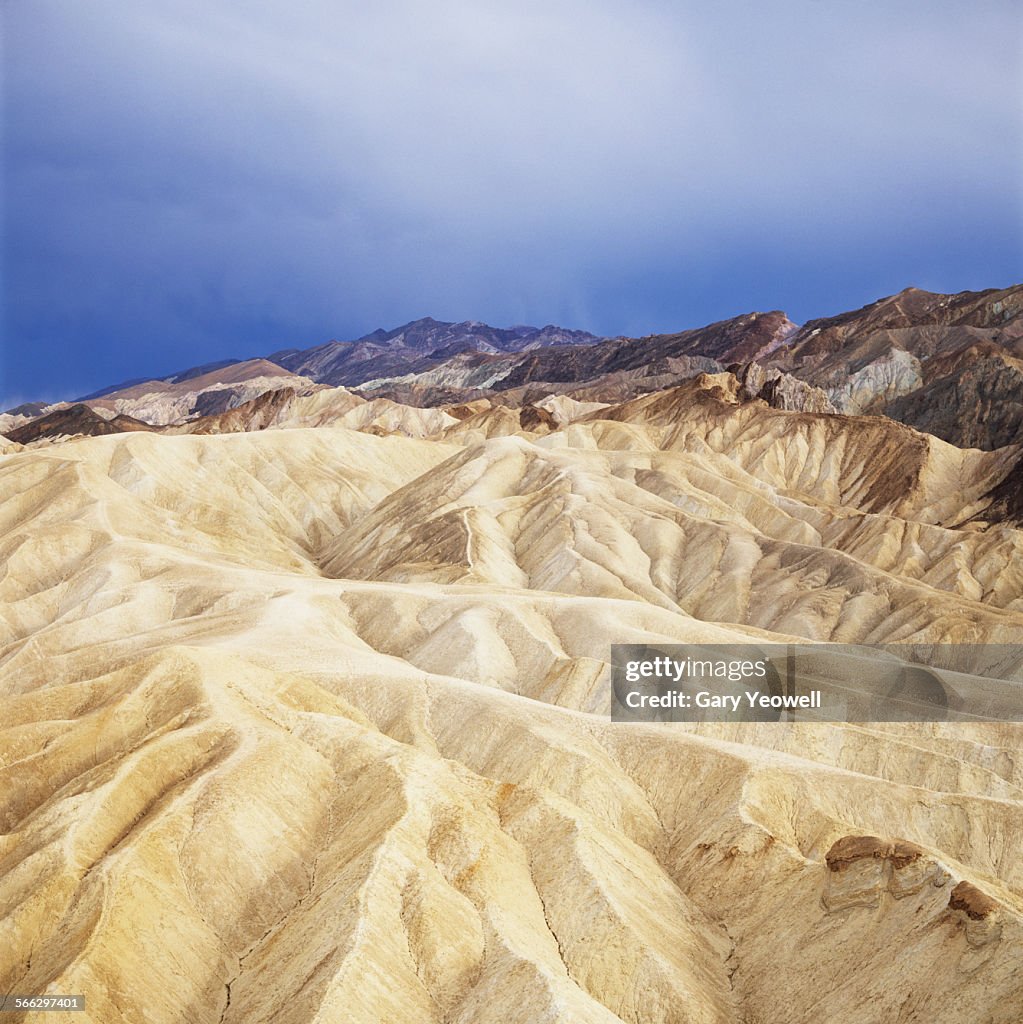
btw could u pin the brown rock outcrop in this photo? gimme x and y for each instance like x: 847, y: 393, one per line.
x: 75, y: 421
x: 849, y: 849
x: 974, y: 903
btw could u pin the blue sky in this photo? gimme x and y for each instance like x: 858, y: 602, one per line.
x: 185, y: 181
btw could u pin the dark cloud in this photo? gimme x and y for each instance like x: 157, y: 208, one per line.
x: 190, y: 180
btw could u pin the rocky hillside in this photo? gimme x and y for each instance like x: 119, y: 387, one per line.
x: 948, y: 364
x: 307, y: 717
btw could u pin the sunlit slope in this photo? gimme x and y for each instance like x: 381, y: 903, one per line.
x: 690, y: 534
x: 310, y: 724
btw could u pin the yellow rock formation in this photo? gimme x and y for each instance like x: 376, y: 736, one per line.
x: 311, y: 724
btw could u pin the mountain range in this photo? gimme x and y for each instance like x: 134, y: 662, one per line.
x: 951, y: 365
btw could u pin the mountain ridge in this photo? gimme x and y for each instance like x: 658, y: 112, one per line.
x: 951, y: 364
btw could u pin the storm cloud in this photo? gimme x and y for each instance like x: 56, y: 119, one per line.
x: 186, y: 181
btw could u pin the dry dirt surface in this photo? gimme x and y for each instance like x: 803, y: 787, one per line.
x: 310, y: 723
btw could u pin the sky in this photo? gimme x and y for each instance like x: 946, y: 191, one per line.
x: 188, y: 181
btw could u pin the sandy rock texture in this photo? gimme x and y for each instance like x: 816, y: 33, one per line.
x: 306, y: 720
